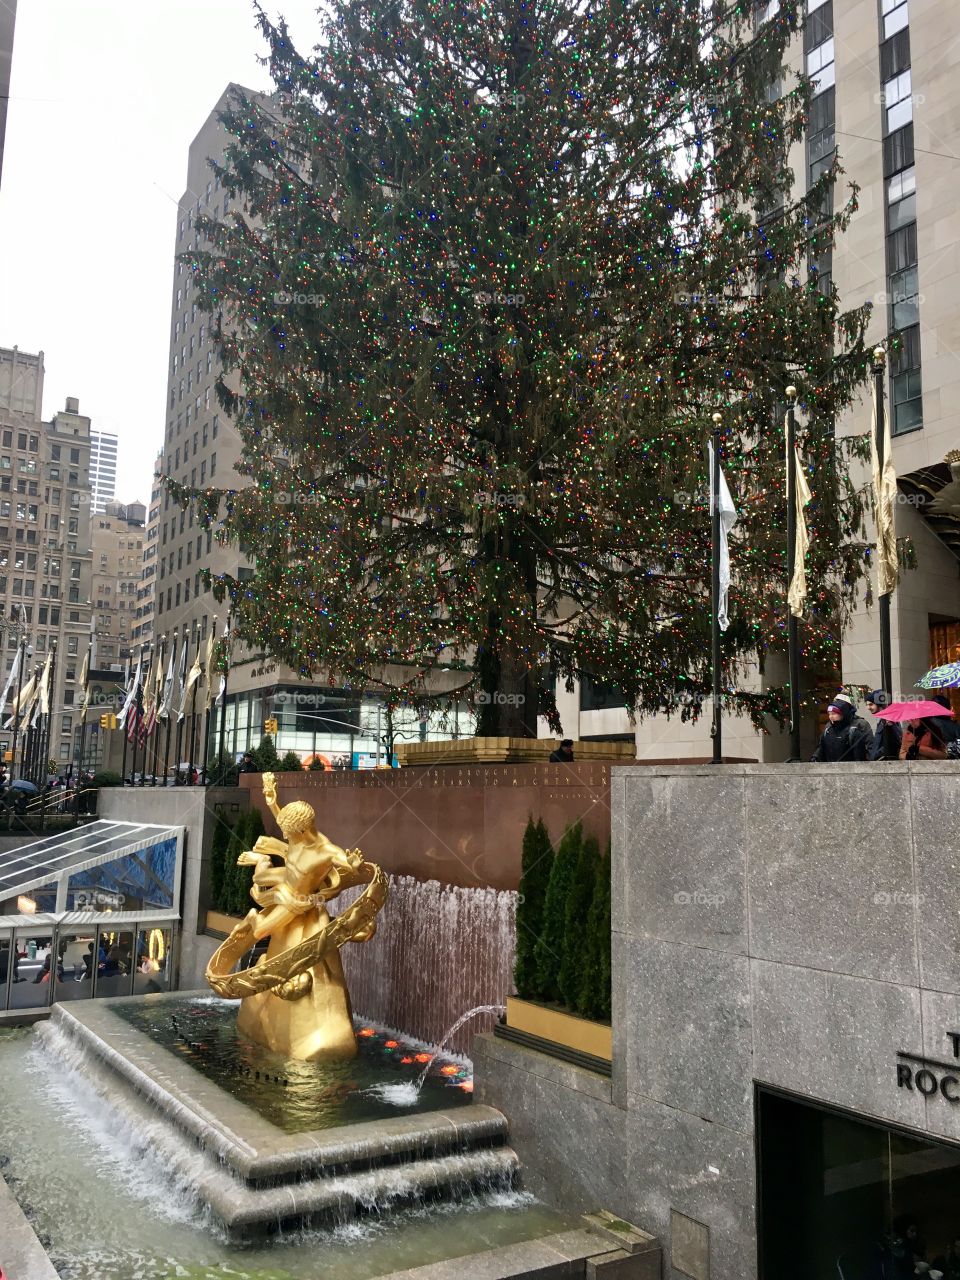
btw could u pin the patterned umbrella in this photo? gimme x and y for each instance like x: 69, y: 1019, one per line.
x: 945, y: 677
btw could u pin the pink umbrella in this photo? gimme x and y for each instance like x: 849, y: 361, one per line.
x: 898, y: 711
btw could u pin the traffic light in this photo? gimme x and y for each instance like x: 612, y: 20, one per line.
x: 271, y: 726
x: 108, y: 720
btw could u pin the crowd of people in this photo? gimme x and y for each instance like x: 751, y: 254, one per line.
x: 848, y: 737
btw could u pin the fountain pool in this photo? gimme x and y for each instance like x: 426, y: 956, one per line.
x: 101, y: 1196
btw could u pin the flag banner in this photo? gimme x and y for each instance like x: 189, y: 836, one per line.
x: 131, y: 697
x: 44, y: 698
x: 225, y: 659
x: 84, y: 683
x: 884, y: 497
x: 166, y: 699
x: 210, y: 664
x: 797, y: 594
x: 728, y: 518
x: 24, y: 701
x: 12, y: 677
x: 187, y: 682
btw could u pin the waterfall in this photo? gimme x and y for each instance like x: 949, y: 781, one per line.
x: 439, y: 950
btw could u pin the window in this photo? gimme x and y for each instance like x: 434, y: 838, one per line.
x: 895, y: 16
x: 66, y: 724
x: 820, y: 66
x: 897, y: 102
x: 894, y: 55
x: 907, y: 391
x: 72, y: 644
x: 819, y: 26
x: 596, y: 695
x: 213, y: 463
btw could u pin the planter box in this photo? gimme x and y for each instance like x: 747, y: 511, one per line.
x: 562, y: 1035
x: 219, y: 924
x: 508, y: 751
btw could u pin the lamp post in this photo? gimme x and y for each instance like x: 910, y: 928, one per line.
x: 716, y: 731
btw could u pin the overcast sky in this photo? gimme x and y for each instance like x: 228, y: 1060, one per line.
x: 106, y: 97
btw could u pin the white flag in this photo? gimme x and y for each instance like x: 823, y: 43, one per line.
x: 728, y: 518
x: 167, y: 698
x: 24, y: 702
x: 131, y: 693
x: 184, y: 688
x: 225, y: 656
x: 11, y: 678
x: 884, y: 496
x: 43, y: 703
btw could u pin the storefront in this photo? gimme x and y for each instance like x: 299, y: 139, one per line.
x: 88, y: 913
x: 844, y: 1198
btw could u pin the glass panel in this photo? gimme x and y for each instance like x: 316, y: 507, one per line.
x: 6, y: 951
x: 31, y: 984
x: 907, y: 416
x: 850, y: 1201
x: 115, y: 971
x: 153, y: 961
x: 138, y: 881
x: 895, y: 21
x: 75, y: 971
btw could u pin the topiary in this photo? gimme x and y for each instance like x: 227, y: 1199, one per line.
x: 238, y: 880
x: 593, y: 999
x: 534, y: 877
x: 290, y: 762
x: 579, y: 899
x: 549, y: 949
x: 106, y: 778
x: 218, y: 861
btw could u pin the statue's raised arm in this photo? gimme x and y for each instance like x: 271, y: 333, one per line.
x: 270, y: 794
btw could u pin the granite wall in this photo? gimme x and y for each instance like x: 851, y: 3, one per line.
x: 794, y: 925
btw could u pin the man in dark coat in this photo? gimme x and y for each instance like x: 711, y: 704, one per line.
x: 887, y: 736
x: 847, y: 737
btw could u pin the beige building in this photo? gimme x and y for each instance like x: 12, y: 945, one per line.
x: 44, y: 539
x: 143, y: 628
x: 117, y: 546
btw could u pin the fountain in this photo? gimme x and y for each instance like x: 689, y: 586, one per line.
x: 264, y: 1114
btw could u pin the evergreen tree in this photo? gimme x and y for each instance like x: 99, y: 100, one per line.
x: 486, y: 272
x: 593, y: 997
x: 534, y: 878
x: 549, y: 949
x: 265, y: 756
x: 290, y: 762
x: 218, y: 861
x: 239, y: 879
x: 579, y: 898
x: 255, y: 827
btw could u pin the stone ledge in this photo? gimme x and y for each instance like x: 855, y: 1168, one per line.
x: 488, y: 1048
x: 561, y: 1256
x: 24, y: 1257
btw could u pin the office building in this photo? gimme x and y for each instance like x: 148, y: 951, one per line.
x: 103, y: 469
x: 8, y: 22
x: 117, y: 544
x: 143, y: 627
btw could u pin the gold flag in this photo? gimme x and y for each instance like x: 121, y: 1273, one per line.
x: 210, y: 664
x: 884, y: 496
x: 797, y: 594
x: 84, y: 677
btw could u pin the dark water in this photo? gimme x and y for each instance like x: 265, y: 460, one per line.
x: 297, y: 1096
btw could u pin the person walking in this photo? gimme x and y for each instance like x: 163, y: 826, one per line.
x: 887, y: 736
x: 847, y: 737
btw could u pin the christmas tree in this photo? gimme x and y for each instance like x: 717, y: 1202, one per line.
x: 488, y: 271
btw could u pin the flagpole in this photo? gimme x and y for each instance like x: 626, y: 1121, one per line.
x: 177, y: 749
x: 793, y: 623
x: 166, y: 749
x: 223, y: 695
x: 193, y: 710
x: 886, y: 658
x: 139, y: 726
x: 716, y: 731
x: 19, y: 715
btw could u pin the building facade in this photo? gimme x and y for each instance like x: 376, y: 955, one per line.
x: 45, y: 560
x: 143, y: 628
x: 117, y: 546
x: 103, y: 469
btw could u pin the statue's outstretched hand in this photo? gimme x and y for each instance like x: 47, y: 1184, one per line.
x: 270, y: 788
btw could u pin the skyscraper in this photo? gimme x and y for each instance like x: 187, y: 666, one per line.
x: 103, y: 469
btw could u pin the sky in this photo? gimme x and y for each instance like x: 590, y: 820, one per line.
x: 106, y: 96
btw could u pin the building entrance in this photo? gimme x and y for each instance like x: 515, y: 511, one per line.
x: 844, y: 1199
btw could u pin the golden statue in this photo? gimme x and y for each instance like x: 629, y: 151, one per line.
x: 295, y: 999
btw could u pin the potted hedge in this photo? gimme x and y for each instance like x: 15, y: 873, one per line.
x: 562, y: 970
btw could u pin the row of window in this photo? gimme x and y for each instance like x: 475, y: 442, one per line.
x: 899, y: 173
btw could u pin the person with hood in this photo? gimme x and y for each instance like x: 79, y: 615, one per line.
x: 847, y: 737
x: 887, y: 735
